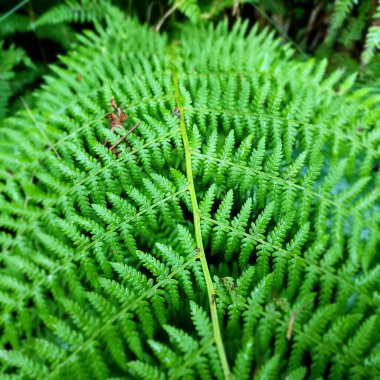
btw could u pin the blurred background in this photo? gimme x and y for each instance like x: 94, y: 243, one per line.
x: 34, y: 33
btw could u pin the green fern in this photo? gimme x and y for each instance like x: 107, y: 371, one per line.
x: 74, y: 12
x: 372, y: 38
x: 235, y: 234
x: 10, y: 58
x: 342, y: 10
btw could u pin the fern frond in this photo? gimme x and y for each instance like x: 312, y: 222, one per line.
x: 74, y: 12
x: 372, y: 42
x: 236, y: 227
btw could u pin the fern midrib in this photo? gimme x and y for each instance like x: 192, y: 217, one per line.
x: 225, y: 226
x: 290, y: 183
x: 92, y: 174
x: 40, y: 130
x: 198, y: 233
x: 125, y: 309
x: 83, y: 250
x: 332, y: 131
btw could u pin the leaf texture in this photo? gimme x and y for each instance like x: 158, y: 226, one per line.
x: 102, y: 274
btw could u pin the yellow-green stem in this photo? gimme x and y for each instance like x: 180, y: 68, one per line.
x: 198, y: 235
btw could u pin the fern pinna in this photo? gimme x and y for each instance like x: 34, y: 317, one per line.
x: 235, y: 234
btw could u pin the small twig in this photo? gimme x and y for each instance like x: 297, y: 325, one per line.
x: 125, y: 136
x: 292, y: 319
x: 285, y: 36
x: 39, y: 128
x: 212, y: 11
x: 290, y: 327
x: 167, y: 14
x: 13, y: 10
x: 149, y: 10
x: 236, y: 9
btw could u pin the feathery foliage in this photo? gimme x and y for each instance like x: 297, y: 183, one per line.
x: 345, y: 31
x: 235, y: 233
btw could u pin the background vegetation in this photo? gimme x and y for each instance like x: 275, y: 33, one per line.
x: 34, y: 33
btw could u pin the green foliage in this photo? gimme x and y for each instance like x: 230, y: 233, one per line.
x: 342, y: 30
x: 372, y: 38
x: 107, y: 259
x: 9, y: 58
x: 74, y: 12
x: 342, y: 10
x: 19, y: 67
x: 356, y: 21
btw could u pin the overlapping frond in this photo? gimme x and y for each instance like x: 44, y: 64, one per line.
x: 100, y: 274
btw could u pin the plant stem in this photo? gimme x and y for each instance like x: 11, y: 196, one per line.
x: 125, y: 136
x: 45, y: 136
x: 167, y: 14
x: 13, y: 10
x: 198, y: 235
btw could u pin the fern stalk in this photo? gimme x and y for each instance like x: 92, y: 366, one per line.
x: 198, y: 234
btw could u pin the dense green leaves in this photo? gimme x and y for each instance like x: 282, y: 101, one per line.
x: 100, y: 273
